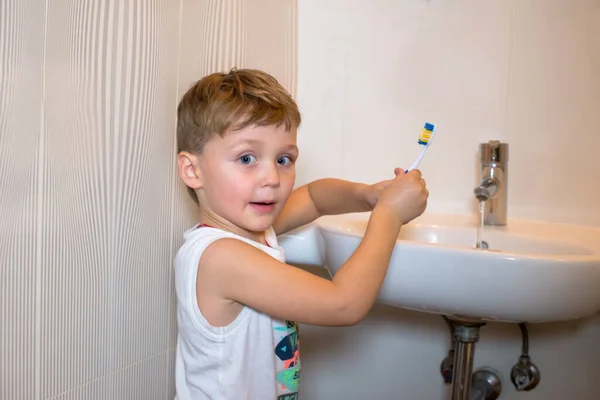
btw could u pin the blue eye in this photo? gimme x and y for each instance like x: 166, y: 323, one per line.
x: 285, y: 160
x: 247, y: 159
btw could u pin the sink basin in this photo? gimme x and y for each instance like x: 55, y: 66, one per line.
x: 532, y: 271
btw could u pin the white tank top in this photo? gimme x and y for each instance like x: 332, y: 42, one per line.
x: 254, y: 357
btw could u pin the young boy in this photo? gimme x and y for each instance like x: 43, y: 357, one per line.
x: 237, y: 298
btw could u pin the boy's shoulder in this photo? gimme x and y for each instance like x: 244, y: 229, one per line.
x: 200, y: 237
x: 197, y: 239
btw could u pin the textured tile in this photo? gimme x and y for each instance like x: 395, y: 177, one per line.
x: 217, y: 35
x: 92, y: 208
x: 21, y: 55
x: 171, y: 374
x: 108, y: 177
x: 213, y: 38
x: 141, y: 381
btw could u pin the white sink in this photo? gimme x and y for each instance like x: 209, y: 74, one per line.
x: 532, y: 272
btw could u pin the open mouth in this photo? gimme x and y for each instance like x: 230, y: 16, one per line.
x: 263, y: 206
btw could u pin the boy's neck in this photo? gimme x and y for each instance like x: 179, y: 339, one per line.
x: 215, y: 222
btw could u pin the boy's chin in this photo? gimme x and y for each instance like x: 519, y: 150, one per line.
x: 259, y: 225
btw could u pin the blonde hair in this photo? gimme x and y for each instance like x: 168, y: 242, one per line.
x: 223, y: 102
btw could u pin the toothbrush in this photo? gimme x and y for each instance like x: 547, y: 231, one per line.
x: 425, y: 139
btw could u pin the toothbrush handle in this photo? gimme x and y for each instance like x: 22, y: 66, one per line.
x: 418, y: 160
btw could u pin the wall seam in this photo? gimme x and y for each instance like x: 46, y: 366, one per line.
x: 115, y: 372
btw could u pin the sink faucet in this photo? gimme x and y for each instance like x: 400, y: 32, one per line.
x: 492, y: 188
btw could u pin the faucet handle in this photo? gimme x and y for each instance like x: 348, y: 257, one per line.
x: 487, y: 189
x: 493, y: 152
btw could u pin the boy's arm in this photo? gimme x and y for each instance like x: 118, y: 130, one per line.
x: 239, y: 272
x: 242, y: 273
x: 326, y: 197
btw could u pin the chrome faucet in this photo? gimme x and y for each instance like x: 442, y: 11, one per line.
x: 492, y: 188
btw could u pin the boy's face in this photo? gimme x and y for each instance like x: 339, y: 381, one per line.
x: 247, y: 176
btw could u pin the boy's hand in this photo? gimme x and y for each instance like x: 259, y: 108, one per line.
x: 406, y: 195
x: 371, y: 193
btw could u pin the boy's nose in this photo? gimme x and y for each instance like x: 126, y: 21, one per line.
x: 271, y: 176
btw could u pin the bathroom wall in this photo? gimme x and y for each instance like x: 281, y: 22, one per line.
x: 92, y: 211
x: 91, y: 208
x: 524, y: 72
x: 370, y: 72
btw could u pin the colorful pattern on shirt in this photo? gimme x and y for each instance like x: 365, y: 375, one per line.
x: 288, y: 351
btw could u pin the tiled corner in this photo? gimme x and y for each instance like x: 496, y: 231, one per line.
x: 272, y: 46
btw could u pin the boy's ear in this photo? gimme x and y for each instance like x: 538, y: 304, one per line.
x: 189, y: 170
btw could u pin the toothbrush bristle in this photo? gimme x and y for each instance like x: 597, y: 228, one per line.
x: 426, y: 133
